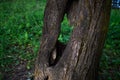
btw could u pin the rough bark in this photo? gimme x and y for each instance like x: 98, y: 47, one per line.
x: 79, y: 59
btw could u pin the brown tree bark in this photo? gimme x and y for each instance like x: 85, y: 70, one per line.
x: 79, y: 59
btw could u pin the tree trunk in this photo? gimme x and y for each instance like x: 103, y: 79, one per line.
x: 79, y: 59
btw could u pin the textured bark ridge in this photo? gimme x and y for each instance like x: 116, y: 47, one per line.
x: 79, y: 59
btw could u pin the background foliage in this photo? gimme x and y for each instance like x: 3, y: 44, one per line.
x: 21, y: 24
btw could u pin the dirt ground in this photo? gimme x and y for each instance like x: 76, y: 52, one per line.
x: 19, y: 72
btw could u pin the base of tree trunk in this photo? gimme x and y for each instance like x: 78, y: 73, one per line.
x: 79, y: 59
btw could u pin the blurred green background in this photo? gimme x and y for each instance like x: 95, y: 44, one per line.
x: 21, y: 23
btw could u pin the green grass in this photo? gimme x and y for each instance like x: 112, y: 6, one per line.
x: 110, y: 61
x: 20, y: 31
x: 21, y: 24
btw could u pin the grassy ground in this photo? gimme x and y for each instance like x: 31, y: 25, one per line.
x: 110, y: 61
x: 21, y: 28
x: 20, y: 31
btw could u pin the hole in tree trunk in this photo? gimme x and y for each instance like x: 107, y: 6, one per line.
x: 56, y: 54
x: 66, y: 30
x: 46, y: 78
